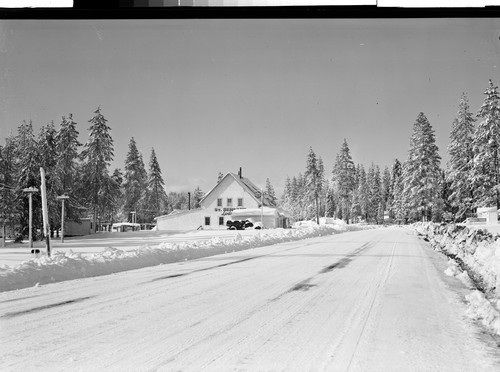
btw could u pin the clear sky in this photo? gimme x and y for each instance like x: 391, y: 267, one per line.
x: 216, y: 95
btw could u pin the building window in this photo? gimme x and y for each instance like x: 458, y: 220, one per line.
x: 229, y: 202
x: 221, y: 221
x: 207, y: 221
x: 219, y: 202
x: 240, y: 202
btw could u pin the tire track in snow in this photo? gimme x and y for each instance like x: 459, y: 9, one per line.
x: 355, y: 324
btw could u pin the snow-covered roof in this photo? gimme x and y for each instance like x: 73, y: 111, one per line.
x: 248, y: 185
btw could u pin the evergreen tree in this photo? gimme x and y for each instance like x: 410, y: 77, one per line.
x: 363, y: 192
x: 156, y: 197
x: 220, y: 177
x: 135, y: 181
x: 344, y: 179
x: 399, y: 206
x: 460, y: 161
x: 28, y: 175
x: 9, y: 211
x: 312, y: 180
x: 197, y: 196
x: 484, y: 175
x: 97, y: 156
x: 48, y: 158
x: 374, y: 188
x: 66, y: 167
x: 396, y: 172
x: 421, y: 172
x: 270, y: 192
x: 386, y: 188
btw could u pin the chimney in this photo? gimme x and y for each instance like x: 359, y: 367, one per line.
x: 240, y: 173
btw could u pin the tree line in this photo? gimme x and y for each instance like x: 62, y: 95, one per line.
x: 417, y: 188
x: 82, y: 172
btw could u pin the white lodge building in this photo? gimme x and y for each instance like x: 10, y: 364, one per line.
x: 233, y: 192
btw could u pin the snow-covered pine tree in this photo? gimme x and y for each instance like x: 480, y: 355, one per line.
x: 344, y: 179
x: 484, y: 172
x: 220, y: 176
x: 374, y: 188
x: 67, y: 146
x: 47, y: 151
x: 313, y: 181
x: 67, y: 163
x: 197, y: 196
x: 96, y: 156
x: 271, y: 194
x: 422, y: 172
x: 9, y: 211
x: 134, y: 182
x: 460, y: 161
x: 362, y: 191
x: 27, y: 162
x: 285, y: 197
x: 386, y: 188
x: 396, y: 172
x: 156, y: 197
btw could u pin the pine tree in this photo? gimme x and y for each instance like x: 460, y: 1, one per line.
x: 27, y: 162
x: 386, y: 188
x: 396, y: 172
x: 9, y: 211
x: 197, y: 196
x: 460, y: 161
x: 399, y: 206
x: 374, y: 189
x: 421, y: 173
x: 220, y: 176
x: 156, y: 197
x: 269, y: 191
x: 67, y: 167
x: 135, y: 181
x: 484, y: 175
x: 363, y: 192
x: 312, y: 179
x: 97, y: 156
x: 48, y: 158
x: 344, y: 179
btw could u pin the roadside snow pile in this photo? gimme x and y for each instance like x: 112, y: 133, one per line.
x: 69, y: 265
x: 475, y: 260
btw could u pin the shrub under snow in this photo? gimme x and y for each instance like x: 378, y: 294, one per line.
x: 69, y: 265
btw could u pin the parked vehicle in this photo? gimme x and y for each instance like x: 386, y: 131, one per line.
x: 238, y: 225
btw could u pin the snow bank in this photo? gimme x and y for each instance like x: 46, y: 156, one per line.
x: 69, y: 265
x: 475, y: 259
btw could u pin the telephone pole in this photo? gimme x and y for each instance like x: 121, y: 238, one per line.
x: 30, y: 191
x: 62, y: 198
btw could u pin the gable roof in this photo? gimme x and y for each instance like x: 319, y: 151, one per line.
x: 247, y: 185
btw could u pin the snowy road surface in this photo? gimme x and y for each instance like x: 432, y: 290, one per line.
x: 373, y: 300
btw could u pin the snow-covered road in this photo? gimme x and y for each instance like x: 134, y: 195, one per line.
x: 373, y: 300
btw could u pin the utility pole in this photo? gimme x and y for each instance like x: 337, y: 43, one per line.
x: 30, y: 191
x: 45, y: 211
x: 62, y: 198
